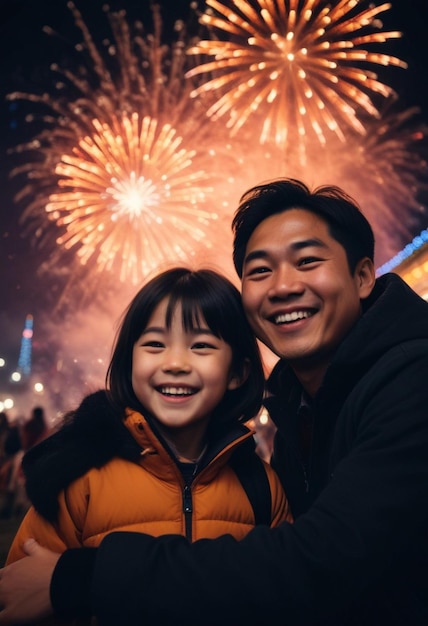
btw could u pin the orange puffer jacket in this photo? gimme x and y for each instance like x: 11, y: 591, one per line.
x: 148, y: 497
x: 100, y: 473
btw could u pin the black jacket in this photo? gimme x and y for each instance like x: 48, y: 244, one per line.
x: 358, y: 550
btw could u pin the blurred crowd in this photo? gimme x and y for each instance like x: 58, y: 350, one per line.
x: 15, y: 439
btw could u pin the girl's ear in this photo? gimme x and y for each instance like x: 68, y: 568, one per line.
x: 236, y: 380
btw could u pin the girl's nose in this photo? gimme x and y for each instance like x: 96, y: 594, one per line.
x: 176, y: 362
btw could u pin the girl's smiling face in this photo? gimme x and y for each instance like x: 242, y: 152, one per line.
x: 180, y: 376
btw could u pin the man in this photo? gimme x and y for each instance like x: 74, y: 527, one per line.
x: 349, y: 397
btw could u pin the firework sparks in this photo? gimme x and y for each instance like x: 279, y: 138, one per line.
x: 124, y: 166
x: 297, y: 67
x: 387, y: 171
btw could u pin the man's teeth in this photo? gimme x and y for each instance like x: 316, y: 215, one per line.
x: 292, y: 317
x: 177, y: 391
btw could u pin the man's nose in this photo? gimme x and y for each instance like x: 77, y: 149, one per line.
x: 286, y: 281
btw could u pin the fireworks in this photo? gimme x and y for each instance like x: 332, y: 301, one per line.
x: 125, y: 175
x: 298, y: 68
x: 387, y: 171
x: 128, y: 175
x: 124, y: 166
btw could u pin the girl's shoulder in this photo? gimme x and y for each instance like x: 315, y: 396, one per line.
x: 90, y: 437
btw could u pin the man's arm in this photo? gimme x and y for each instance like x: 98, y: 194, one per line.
x: 359, y: 531
x: 28, y: 586
x: 24, y: 586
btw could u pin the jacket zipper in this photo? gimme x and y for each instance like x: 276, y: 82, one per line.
x: 188, y: 510
x: 187, y: 500
x: 305, y: 478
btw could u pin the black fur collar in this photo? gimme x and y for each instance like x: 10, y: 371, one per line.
x: 92, y: 436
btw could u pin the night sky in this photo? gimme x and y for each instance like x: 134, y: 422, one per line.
x: 26, y: 52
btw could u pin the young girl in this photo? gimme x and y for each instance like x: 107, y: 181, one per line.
x: 155, y: 452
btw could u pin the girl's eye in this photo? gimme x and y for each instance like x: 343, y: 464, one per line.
x: 202, y: 345
x: 153, y: 344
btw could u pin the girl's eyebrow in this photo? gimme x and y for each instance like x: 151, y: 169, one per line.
x: 196, y: 330
x: 154, y: 329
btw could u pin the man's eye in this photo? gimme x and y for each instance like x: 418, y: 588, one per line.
x: 257, y: 270
x: 309, y: 259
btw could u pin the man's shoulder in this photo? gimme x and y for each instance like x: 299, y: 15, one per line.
x: 404, y: 351
x: 398, y: 371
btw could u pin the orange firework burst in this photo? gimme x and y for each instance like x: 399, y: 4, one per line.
x: 297, y: 67
x: 388, y: 172
x: 125, y: 168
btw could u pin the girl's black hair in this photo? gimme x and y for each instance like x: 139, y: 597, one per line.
x: 201, y: 294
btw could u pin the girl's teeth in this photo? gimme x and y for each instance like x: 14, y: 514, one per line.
x: 176, y: 391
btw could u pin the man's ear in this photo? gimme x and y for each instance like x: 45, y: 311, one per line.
x: 236, y: 380
x: 365, y: 275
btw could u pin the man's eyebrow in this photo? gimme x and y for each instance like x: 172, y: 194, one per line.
x: 314, y: 242
x: 255, y: 254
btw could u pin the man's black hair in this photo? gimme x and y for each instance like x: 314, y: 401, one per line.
x: 346, y: 222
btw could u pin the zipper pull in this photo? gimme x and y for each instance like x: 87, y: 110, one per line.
x: 306, y: 479
x: 187, y: 500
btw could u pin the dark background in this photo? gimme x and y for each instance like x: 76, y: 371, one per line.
x: 25, y: 54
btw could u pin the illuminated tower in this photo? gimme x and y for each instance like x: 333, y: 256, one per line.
x: 24, y: 361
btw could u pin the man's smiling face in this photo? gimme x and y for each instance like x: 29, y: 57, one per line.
x: 298, y: 292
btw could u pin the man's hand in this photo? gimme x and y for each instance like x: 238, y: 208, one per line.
x: 25, y: 584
